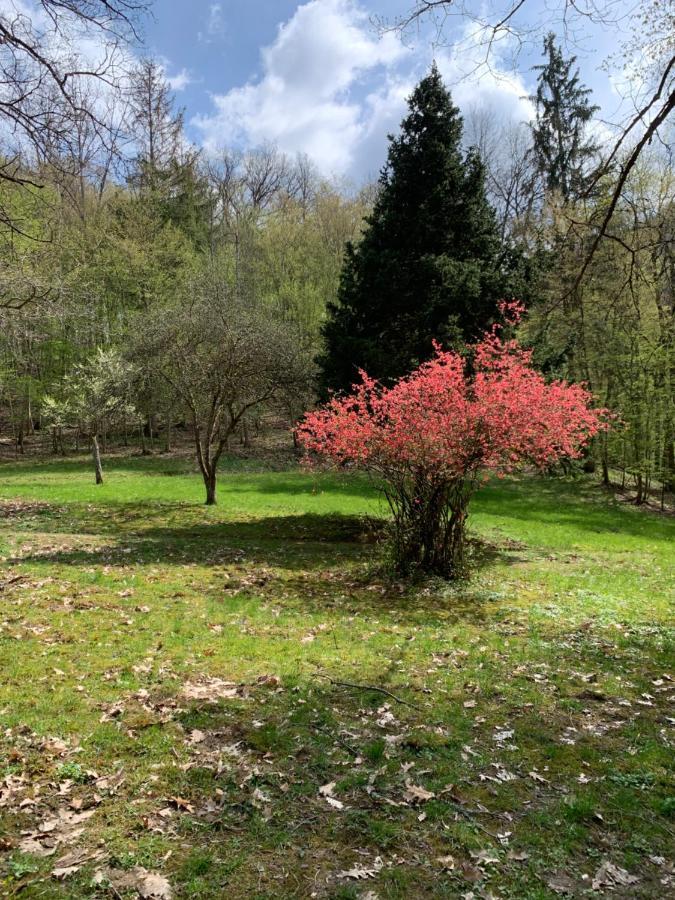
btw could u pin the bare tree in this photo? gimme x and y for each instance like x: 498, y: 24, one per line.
x: 40, y: 61
x: 222, y: 359
x: 505, y: 149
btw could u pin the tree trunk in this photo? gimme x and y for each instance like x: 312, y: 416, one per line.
x: 246, y: 437
x: 96, y: 454
x: 669, y: 479
x: 210, y: 484
x: 640, y: 495
x: 429, y: 529
x: 169, y: 431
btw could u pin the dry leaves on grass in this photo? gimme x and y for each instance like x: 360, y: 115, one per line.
x: 610, y: 876
x: 72, y: 862
x: 416, y: 794
x: 326, y: 791
x: 361, y: 873
x: 211, y: 690
x: 149, y: 885
x: 60, y: 829
x: 485, y: 858
x: 447, y: 863
x: 561, y: 884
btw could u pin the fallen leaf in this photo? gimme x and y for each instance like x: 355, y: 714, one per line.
x: 562, y: 884
x: 71, y: 863
x: 210, y: 689
x: 609, y: 875
x: 155, y: 886
x: 485, y: 858
x: 359, y: 872
x: 471, y: 873
x: 414, y: 793
x: 149, y: 885
x: 535, y: 776
x: 180, y: 803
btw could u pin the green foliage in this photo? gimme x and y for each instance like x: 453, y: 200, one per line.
x: 562, y: 151
x: 430, y: 265
x: 616, y: 331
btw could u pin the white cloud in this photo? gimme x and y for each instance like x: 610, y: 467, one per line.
x: 214, y: 25
x: 179, y: 81
x: 306, y: 98
x: 475, y: 83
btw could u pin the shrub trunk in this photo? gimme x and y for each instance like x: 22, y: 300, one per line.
x: 429, y: 528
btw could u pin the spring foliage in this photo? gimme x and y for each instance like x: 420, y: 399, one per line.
x: 432, y: 436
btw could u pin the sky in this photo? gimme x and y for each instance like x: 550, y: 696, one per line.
x: 317, y: 77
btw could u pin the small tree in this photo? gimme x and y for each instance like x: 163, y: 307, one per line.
x: 432, y: 437
x: 222, y: 359
x: 55, y: 414
x: 95, y: 397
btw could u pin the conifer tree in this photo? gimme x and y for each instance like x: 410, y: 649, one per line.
x: 429, y: 265
x: 562, y: 151
x: 164, y: 172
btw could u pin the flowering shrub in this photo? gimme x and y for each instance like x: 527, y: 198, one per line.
x: 433, y: 436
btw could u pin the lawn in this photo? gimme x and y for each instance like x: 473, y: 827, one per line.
x: 237, y: 702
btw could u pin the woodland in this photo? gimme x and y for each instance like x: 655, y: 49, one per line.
x: 336, y: 518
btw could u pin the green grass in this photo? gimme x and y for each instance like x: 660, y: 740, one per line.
x: 115, y: 598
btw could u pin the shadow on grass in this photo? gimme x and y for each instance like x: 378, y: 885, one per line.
x: 580, y: 504
x: 318, y: 563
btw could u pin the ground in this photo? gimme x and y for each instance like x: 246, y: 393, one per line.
x: 237, y: 702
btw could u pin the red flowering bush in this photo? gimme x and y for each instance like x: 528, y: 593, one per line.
x: 431, y: 438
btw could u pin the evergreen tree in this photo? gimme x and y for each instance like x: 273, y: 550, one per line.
x: 165, y: 170
x: 430, y: 265
x: 157, y: 130
x: 562, y: 151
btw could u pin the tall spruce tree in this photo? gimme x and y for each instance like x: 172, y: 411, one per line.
x: 165, y: 170
x: 562, y: 151
x: 429, y: 265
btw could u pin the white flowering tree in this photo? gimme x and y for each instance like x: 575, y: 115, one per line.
x: 95, y: 397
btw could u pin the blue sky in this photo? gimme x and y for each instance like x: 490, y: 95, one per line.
x: 316, y: 77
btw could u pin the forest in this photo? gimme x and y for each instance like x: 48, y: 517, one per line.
x: 336, y: 512
x: 114, y: 219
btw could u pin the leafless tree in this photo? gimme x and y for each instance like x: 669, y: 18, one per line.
x: 42, y: 61
x: 222, y: 359
x: 505, y: 149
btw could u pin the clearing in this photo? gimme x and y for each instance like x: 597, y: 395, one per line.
x: 183, y: 710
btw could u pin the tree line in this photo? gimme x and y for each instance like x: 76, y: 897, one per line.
x: 146, y: 287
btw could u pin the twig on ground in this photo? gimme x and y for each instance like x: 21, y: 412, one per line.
x: 470, y: 818
x: 337, y: 740
x: 373, y: 687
